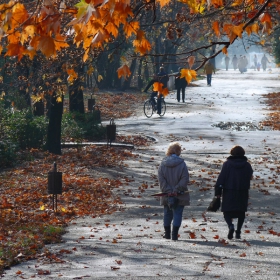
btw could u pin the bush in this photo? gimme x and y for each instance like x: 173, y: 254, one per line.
x: 76, y: 127
x: 8, y: 153
x: 27, y: 130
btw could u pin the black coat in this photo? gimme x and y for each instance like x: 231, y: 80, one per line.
x: 235, y: 179
x: 180, y: 82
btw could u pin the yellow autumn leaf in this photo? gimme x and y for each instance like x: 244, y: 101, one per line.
x: 63, y: 209
x: 59, y: 99
x: 99, y: 78
x: 189, y: 75
x: 42, y: 207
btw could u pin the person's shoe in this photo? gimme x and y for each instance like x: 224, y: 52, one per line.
x: 175, y: 233
x: 238, y: 234
x: 230, y: 232
x: 183, y: 101
x: 167, y: 232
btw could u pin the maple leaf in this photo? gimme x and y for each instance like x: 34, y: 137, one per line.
x: 72, y: 75
x: 189, y: 75
x: 224, y: 50
x: 47, y: 46
x: 124, y: 71
x: 163, y: 2
x: 157, y: 86
x: 216, y: 28
x: 131, y: 28
x: 15, y: 50
x: 191, y: 61
x: 165, y: 92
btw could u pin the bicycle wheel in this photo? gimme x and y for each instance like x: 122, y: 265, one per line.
x: 148, y: 108
x: 163, y: 108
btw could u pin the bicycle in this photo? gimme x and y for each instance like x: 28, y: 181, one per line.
x: 152, y: 105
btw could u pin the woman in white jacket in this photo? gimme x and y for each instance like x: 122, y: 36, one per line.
x: 173, y: 178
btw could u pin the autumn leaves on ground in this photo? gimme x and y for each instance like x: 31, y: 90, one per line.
x: 27, y: 219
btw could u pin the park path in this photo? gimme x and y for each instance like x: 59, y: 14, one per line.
x: 128, y: 244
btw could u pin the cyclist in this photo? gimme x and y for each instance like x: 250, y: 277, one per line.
x: 154, y: 93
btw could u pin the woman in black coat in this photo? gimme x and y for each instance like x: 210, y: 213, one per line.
x: 233, y: 185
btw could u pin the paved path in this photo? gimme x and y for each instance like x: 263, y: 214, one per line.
x: 128, y: 244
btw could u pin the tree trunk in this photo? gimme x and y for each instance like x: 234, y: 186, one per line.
x: 53, y: 144
x: 76, y: 97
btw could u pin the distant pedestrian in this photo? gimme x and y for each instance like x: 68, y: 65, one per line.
x: 255, y: 62
x: 234, y: 62
x: 173, y: 179
x: 264, y: 61
x: 227, y: 59
x: 180, y: 85
x: 209, y: 70
x: 233, y: 185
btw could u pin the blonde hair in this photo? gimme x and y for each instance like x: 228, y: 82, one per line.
x: 174, y: 148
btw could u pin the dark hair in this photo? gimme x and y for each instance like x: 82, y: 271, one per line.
x: 237, y: 151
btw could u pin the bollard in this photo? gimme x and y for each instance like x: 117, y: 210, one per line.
x: 96, y: 114
x: 111, y: 132
x: 54, y: 184
x: 91, y: 103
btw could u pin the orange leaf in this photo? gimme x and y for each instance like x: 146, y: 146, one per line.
x: 216, y: 28
x: 124, y: 71
x: 242, y: 255
x: 47, y: 46
x: 165, y: 92
x: 163, y: 2
x: 157, y: 86
x: 224, y: 50
x: 191, y: 61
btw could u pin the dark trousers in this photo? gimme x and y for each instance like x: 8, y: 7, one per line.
x: 209, y: 79
x: 179, y: 93
x: 228, y: 216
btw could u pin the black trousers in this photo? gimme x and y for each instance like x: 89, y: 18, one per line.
x: 179, y: 93
x: 228, y: 216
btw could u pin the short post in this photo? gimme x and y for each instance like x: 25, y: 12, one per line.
x: 96, y: 113
x: 91, y: 103
x: 111, y: 132
x: 54, y: 184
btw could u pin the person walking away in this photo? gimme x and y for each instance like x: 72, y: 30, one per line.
x: 234, y: 62
x: 173, y: 176
x: 241, y: 64
x: 233, y: 185
x: 255, y: 62
x: 227, y: 59
x: 264, y: 61
x: 245, y: 61
x: 180, y: 85
x: 209, y: 70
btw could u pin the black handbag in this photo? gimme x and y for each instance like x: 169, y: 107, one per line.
x: 214, y: 204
